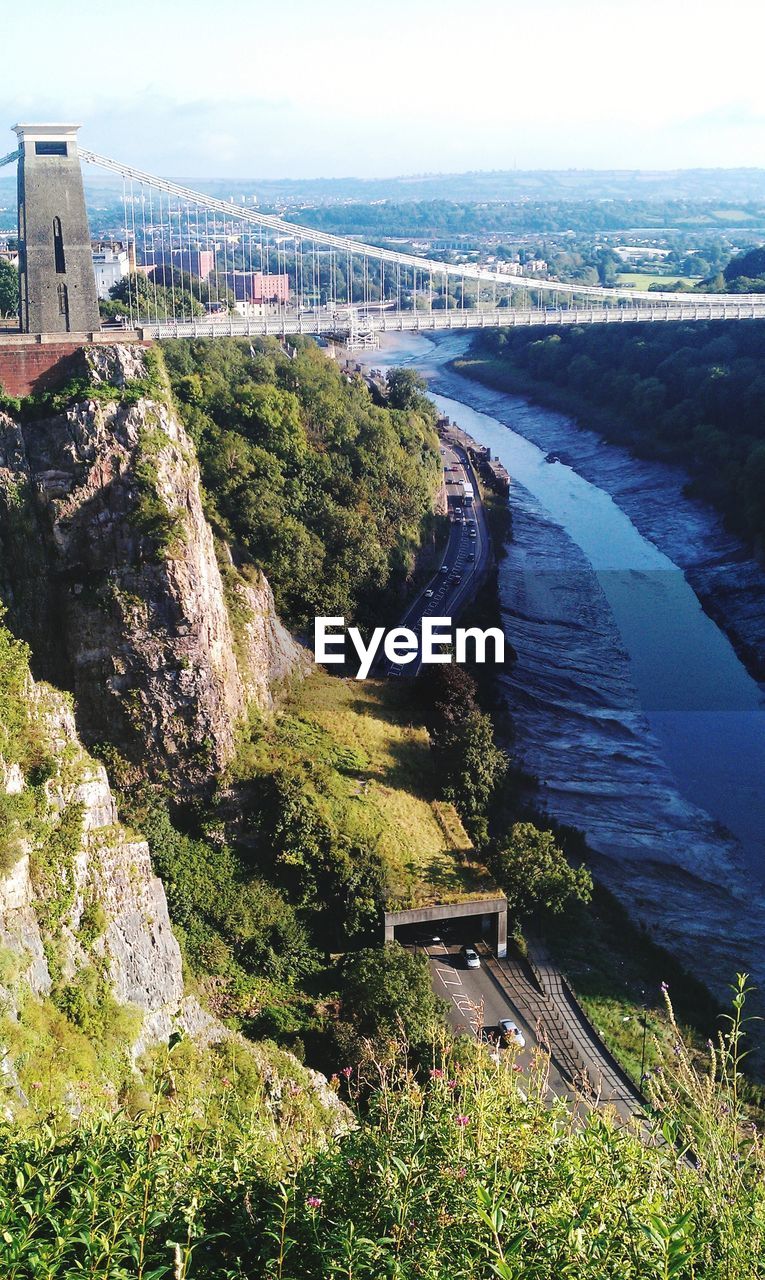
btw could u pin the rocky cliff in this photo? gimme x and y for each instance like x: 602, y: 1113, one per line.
x: 110, y: 572
x: 91, y: 978
x: 90, y: 894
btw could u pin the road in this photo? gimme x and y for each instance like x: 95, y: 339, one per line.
x: 465, y: 556
x: 579, y: 1067
x: 477, y: 1000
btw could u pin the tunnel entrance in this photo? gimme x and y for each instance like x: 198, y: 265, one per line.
x: 459, y: 921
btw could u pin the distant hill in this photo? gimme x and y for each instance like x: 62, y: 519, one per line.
x: 502, y: 185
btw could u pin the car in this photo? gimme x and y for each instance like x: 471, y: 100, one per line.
x: 455, y: 578
x: 471, y: 958
x: 509, y: 1031
x: 444, y: 568
x: 428, y: 593
x: 473, y: 533
x: 471, y: 555
x: 490, y: 1037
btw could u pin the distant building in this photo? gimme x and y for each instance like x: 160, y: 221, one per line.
x: 636, y: 253
x: 257, y: 287
x: 195, y: 262
x: 111, y: 263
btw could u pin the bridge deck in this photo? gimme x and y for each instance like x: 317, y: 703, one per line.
x: 339, y: 325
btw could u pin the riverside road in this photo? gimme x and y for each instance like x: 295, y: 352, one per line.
x: 465, y: 557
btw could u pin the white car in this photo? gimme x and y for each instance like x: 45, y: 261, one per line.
x: 509, y: 1031
x: 428, y: 593
x: 472, y: 958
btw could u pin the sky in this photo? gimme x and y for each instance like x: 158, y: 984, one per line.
x: 334, y: 88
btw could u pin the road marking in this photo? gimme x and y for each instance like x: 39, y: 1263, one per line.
x: 455, y: 979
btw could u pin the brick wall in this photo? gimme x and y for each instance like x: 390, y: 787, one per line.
x: 26, y: 369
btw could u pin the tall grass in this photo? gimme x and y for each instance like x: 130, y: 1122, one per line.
x: 463, y: 1171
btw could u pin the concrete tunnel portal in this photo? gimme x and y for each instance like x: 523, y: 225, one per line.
x: 484, y: 918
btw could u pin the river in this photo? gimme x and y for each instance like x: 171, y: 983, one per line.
x: 631, y: 705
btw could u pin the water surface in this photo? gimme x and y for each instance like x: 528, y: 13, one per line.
x: 631, y: 704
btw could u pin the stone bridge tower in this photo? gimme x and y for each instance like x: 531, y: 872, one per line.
x: 56, y: 281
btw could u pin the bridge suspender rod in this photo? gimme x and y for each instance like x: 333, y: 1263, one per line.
x: 345, y: 243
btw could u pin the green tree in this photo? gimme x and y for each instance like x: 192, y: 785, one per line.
x: 386, y: 993
x: 9, y: 289
x: 405, y: 388
x: 535, y: 875
x: 470, y: 764
x: 147, y: 298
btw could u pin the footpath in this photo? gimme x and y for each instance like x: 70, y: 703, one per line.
x: 544, y: 999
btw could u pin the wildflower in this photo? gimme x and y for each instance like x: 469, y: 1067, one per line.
x: 461, y: 1173
x: 677, y: 1048
x: 347, y: 1072
x: 462, y: 1121
x: 451, y: 1084
x: 37, y: 1084
x: 517, y: 1066
x: 225, y: 1082
x: 436, y: 1073
x: 664, y: 989
x: 313, y: 1202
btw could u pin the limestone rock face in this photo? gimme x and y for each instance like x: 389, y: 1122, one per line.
x: 106, y: 867
x: 113, y: 922
x: 109, y: 568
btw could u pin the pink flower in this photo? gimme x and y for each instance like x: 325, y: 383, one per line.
x: 347, y: 1072
x: 225, y: 1081
x: 462, y: 1121
x: 461, y: 1173
x: 451, y: 1084
x: 436, y: 1074
x: 313, y: 1202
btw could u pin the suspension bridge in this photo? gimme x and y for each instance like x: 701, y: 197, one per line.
x: 197, y: 266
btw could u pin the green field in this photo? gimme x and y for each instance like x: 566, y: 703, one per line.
x: 371, y: 769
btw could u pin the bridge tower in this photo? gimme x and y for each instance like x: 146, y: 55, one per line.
x: 57, y: 284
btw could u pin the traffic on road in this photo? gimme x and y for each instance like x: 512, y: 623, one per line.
x: 478, y: 1006
x: 465, y: 558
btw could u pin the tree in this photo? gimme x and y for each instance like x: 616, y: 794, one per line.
x: 470, y: 764
x: 146, y: 298
x: 386, y: 992
x: 535, y: 875
x: 405, y: 389
x: 9, y: 289
x: 750, y: 264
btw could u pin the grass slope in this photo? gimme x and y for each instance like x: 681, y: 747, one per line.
x: 378, y: 784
